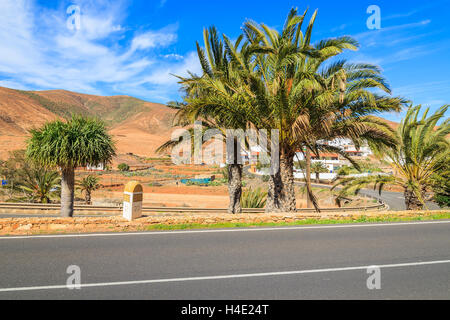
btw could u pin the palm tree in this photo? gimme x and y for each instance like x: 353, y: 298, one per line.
x: 67, y: 145
x: 317, y: 168
x: 35, y: 183
x: 88, y: 185
x: 211, y: 99
x: 272, y: 87
x: 342, y: 108
x: 292, y: 90
x: 421, y: 151
x: 40, y: 185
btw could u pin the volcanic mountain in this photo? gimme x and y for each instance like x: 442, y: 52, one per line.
x: 137, y: 126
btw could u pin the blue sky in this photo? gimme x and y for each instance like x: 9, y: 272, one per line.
x: 132, y: 47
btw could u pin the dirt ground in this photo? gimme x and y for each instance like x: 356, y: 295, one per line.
x: 162, y: 187
x: 161, y: 181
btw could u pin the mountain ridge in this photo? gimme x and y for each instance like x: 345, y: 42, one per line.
x: 137, y: 126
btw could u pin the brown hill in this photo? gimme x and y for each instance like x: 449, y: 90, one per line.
x: 138, y: 126
x: 394, y: 125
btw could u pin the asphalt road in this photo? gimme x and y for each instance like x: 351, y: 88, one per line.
x: 306, y: 262
x: 395, y: 200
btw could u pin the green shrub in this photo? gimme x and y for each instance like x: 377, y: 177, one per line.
x: 253, y: 198
x: 123, y: 167
x: 225, y: 172
x: 344, y: 171
x: 364, y: 167
x: 442, y: 200
x: 440, y: 183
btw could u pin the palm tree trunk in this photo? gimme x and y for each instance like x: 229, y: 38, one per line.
x: 235, y: 188
x: 308, y: 177
x: 288, y: 201
x: 88, y: 197
x: 317, y: 177
x: 273, y: 193
x: 412, y: 202
x: 281, y: 188
x: 235, y: 178
x: 67, y: 191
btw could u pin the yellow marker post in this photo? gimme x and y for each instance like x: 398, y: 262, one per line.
x: 132, y: 200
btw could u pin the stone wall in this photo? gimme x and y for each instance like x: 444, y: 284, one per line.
x: 28, y: 226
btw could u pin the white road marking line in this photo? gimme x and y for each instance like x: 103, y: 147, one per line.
x: 232, y: 276
x: 255, y: 229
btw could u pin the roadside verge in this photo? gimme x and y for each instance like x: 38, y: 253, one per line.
x: 33, y: 226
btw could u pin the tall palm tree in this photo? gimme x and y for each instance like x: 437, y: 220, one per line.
x: 422, y: 150
x: 317, y: 168
x: 271, y: 86
x: 293, y: 91
x: 342, y: 108
x: 67, y: 145
x: 88, y: 185
x: 211, y: 98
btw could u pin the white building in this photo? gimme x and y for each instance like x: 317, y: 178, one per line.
x: 100, y: 167
x: 348, y: 146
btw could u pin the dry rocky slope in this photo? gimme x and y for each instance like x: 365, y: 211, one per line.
x: 137, y: 126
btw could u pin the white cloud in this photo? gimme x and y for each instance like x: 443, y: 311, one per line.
x: 153, y: 39
x: 173, y: 56
x: 436, y: 88
x: 102, y: 56
x: 165, y: 74
x: 391, y: 29
x: 396, y: 43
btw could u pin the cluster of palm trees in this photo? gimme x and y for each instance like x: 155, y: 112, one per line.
x: 279, y: 80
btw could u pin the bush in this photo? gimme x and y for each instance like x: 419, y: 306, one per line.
x: 364, y: 167
x: 253, y: 198
x: 442, y: 200
x: 440, y: 183
x: 344, y: 171
x: 123, y: 167
x: 225, y: 173
x: 27, y: 181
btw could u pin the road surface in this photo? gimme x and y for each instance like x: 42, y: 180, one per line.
x: 305, y: 262
x: 395, y: 200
